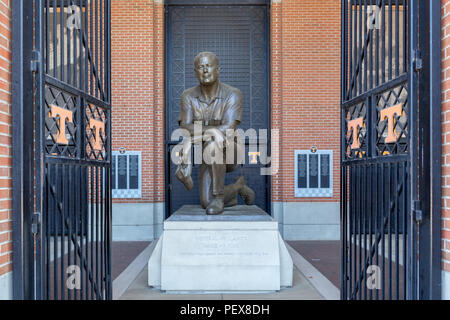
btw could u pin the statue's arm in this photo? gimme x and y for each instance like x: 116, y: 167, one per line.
x: 231, y: 118
x: 233, y: 112
x: 186, y: 120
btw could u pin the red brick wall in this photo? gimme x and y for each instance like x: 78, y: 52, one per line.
x: 276, y: 63
x: 305, y: 86
x: 306, y: 48
x: 137, y: 33
x: 5, y: 139
x: 446, y: 135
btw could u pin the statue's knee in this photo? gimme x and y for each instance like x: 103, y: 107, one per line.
x: 212, y: 154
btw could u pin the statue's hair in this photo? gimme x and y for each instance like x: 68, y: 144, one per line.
x: 206, y: 53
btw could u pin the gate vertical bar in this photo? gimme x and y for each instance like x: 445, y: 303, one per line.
x: 423, y: 142
x: 435, y: 109
x: 109, y: 149
x: 412, y: 256
x: 397, y: 38
x: 41, y: 252
x: 429, y: 109
x: 397, y: 233
x: 343, y: 189
x: 22, y: 150
x: 359, y: 60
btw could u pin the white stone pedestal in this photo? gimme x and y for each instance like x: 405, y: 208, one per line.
x: 238, y: 251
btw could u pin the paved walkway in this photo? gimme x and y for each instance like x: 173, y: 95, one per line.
x: 325, y: 256
x: 301, y: 290
x: 124, y: 253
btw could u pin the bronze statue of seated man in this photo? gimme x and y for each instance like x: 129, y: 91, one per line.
x: 218, y: 108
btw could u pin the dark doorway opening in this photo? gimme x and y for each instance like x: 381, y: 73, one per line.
x: 239, y: 35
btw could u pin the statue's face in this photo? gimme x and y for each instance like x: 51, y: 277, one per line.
x: 207, y: 70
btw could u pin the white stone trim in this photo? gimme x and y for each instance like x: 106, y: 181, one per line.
x: 308, y: 220
x: 137, y: 221
x: 277, y: 213
x: 6, y: 289
x: 445, y: 285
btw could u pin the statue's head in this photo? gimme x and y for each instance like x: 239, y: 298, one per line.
x: 207, y: 68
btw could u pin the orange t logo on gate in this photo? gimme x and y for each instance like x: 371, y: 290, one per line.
x: 390, y: 114
x: 63, y: 115
x: 353, y: 127
x: 96, y: 126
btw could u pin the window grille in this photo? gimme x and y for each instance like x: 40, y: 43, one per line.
x: 127, y: 174
x: 313, y: 173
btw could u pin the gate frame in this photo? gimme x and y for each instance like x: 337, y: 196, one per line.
x: 425, y: 212
x: 426, y: 206
x: 26, y: 223
x: 22, y: 149
x: 430, y: 147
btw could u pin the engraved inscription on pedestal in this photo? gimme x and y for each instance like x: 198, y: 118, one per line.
x: 229, y: 247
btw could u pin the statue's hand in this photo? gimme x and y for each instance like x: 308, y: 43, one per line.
x: 219, y: 137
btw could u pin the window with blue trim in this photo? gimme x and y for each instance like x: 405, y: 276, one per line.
x: 313, y: 173
x: 127, y: 174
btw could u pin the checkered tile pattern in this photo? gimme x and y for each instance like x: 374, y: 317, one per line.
x: 126, y: 193
x: 311, y: 193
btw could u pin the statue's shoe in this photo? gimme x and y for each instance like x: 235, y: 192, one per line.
x: 247, y: 194
x: 215, y: 207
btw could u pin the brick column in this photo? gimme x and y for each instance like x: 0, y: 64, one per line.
x: 5, y: 152
x: 276, y: 65
x: 306, y: 49
x: 159, y: 104
x: 138, y: 111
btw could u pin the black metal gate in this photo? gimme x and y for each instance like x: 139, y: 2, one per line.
x: 64, y: 85
x: 390, y: 226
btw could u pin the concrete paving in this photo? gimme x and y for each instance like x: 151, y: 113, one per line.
x: 301, y: 290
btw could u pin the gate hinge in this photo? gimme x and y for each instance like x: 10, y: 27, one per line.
x: 36, y: 223
x: 35, y: 61
x: 417, y: 61
x: 417, y: 211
